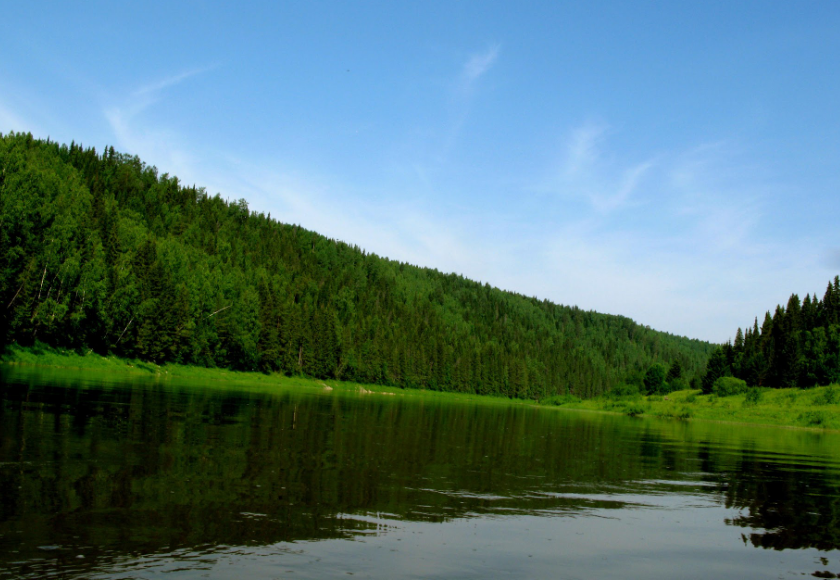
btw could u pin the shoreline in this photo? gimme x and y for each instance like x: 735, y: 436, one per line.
x: 813, y: 409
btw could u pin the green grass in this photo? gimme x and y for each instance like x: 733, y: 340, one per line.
x: 816, y: 408
x: 85, y: 366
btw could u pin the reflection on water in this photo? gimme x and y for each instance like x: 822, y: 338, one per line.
x: 110, y: 480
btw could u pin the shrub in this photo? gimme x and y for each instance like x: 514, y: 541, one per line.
x: 683, y: 413
x: 727, y: 386
x: 813, y: 418
x: 623, y: 391
x: 790, y: 398
x: 692, y: 398
x: 560, y: 400
x: 828, y: 396
x: 634, y: 409
x: 753, y: 396
x: 674, y: 412
x: 677, y: 384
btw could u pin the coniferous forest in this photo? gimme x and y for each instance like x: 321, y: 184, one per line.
x: 100, y: 252
x: 798, y: 346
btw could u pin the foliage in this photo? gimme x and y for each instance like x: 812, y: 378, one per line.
x: 671, y: 411
x: 623, y: 390
x: 634, y: 409
x: 677, y: 384
x: 655, y: 379
x: 797, y: 346
x: 100, y: 252
x: 753, y: 396
x: 728, y: 386
x: 784, y: 407
x: 559, y: 400
x: 829, y: 396
x: 813, y: 418
x: 675, y: 372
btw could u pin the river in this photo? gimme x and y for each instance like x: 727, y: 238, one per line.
x: 107, y: 478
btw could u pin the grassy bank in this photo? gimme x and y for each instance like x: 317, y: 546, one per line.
x: 817, y: 408
x: 91, y: 366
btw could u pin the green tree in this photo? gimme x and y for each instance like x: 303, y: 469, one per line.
x: 655, y: 379
x: 675, y: 372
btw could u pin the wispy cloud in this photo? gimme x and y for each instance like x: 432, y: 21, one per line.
x: 582, y: 149
x: 719, y: 196
x: 402, y: 230
x: 161, y: 145
x: 478, y: 64
x: 680, y: 240
x: 462, y: 93
x: 585, y: 172
x: 155, y: 87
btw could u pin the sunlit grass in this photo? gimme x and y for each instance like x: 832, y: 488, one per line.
x: 91, y: 366
x: 817, y: 407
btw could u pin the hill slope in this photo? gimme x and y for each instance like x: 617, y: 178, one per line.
x: 102, y: 252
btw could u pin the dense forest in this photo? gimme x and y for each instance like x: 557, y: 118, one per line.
x: 100, y: 252
x: 798, y: 346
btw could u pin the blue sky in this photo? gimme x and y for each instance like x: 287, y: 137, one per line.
x: 676, y: 163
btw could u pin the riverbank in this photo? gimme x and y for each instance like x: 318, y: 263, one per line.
x: 108, y: 368
x: 815, y: 408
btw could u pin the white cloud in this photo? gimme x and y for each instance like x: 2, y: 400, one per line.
x: 478, y: 64
x: 679, y: 241
x: 692, y: 260
x: 582, y: 149
x: 671, y: 240
x: 157, y: 86
x: 154, y: 144
x: 400, y: 230
x: 586, y: 173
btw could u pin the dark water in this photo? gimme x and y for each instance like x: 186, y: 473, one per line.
x: 159, y: 480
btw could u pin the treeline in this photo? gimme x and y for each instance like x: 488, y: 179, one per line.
x: 798, y: 346
x: 99, y: 251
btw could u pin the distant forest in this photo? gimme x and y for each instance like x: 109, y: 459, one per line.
x: 101, y: 252
x: 798, y: 346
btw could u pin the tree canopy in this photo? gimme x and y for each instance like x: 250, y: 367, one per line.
x: 101, y: 252
x: 797, y: 346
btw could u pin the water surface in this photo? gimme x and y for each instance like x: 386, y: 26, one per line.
x: 150, y: 479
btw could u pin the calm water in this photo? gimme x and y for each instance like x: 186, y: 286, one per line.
x: 158, y: 480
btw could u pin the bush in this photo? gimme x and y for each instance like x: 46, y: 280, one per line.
x: 790, y: 398
x: 727, y: 386
x: 683, y: 413
x: 828, y: 396
x: 634, y: 409
x: 623, y: 391
x: 559, y: 400
x: 678, y: 384
x: 753, y: 396
x: 813, y: 418
x: 674, y: 412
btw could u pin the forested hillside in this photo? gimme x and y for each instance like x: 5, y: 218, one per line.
x: 99, y: 251
x: 798, y: 346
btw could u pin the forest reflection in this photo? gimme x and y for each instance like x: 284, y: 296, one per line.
x: 139, y: 468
